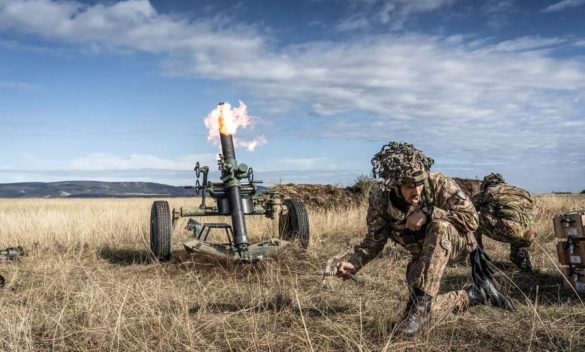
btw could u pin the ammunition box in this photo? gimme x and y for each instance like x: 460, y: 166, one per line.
x: 572, y: 252
x: 570, y: 224
x: 575, y: 278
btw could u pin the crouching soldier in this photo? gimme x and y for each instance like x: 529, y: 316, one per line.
x: 506, y: 215
x: 429, y: 215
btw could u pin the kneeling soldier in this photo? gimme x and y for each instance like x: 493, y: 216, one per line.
x: 429, y: 215
x: 506, y: 215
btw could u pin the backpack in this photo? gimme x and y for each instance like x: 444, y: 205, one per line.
x: 508, y: 202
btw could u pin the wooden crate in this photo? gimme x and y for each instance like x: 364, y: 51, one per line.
x: 572, y: 252
x: 575, y: 278
x: 570, y: 224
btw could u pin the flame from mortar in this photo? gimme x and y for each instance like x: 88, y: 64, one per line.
x: 225, y: 120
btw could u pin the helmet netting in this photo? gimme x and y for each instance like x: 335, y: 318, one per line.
x: 397, y: 161
x: 492, y: 180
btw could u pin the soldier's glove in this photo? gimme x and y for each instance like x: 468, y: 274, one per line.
x: 481, y: 272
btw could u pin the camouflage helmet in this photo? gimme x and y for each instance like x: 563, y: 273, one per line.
x: 400, y: 164
x: 492, y: 180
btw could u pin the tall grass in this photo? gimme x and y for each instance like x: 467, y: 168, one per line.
x: 89, y: 283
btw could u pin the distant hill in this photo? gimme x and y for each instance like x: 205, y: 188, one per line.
x: 90, y: 189
x: 94, y: 189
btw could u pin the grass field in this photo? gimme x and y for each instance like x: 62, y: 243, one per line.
x: 88, y: 283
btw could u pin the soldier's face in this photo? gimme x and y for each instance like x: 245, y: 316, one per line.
x: 412, y: 195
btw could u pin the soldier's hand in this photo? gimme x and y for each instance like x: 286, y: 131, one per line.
x: 345, y: 270
x: 416, y: 220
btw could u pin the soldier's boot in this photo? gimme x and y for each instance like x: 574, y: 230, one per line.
x: 417, y: 314
x: 520, y: 256
x: 484, y: 289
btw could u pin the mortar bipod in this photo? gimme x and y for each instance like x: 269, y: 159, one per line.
x: 201, y: 231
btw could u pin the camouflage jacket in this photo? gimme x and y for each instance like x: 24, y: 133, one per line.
x: 506, y: 202
x: 386, y: 218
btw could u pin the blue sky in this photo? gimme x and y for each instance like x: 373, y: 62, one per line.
x: 119, y: 90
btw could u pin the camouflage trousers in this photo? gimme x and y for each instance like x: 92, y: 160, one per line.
x: 450, y: 302
x: 507, y: 231
x: 442, y: 245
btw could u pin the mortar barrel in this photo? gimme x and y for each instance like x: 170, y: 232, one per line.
x: 233, y: 191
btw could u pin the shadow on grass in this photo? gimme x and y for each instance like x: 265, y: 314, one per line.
x: 287, y: 262
x: 125, y: 256
x: 547, y: 287
x: 278, y: 303
x: 471, y: 338
x: 216, y: 267
x: 503, y: 265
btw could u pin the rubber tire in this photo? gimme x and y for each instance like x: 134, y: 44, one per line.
x: 295, y: 224
x: 161, y: 230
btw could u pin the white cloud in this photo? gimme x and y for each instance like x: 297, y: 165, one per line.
x: 301, y: 163
x: 499, y: 13
x: 353, y: 23
x: 392, y: 13
x: 564, y: 4
x: 336, y: 177
x: 530, y: 43
x: 498, y: 7
x: 133, y: 25
x: 458, y: 96
x: 409, y: 7
x: 102, y: 161
x: 369, y: 74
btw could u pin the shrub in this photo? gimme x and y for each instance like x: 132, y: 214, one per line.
x: 364, y: 185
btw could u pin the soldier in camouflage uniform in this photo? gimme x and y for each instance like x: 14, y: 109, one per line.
x: 506, y: 215
x: 429, y: 215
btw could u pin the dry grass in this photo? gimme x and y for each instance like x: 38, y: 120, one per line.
x: 88, y: 283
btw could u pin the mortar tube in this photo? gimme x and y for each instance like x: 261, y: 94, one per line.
x: 233, y: 192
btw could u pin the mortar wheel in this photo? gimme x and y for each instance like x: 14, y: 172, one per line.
x: 295, y: 224
x: 161, y: 230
